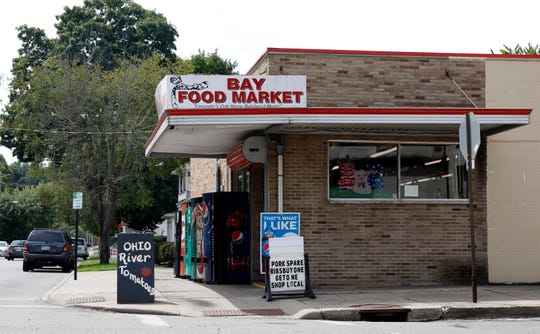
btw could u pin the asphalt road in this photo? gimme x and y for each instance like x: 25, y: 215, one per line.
x: 19, y: 288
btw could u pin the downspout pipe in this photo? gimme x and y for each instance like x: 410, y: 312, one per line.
x: 218, y: 177
x: 280, y: 148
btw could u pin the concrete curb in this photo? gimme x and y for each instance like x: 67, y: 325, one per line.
x: 492, y: 312
x: 47, y: 296
x: 348, y: 314
x: 427, y: 314
x: 97, y: 291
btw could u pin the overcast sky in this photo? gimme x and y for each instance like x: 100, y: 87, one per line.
x: 241, y: 30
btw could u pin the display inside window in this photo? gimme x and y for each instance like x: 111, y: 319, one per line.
x: 392, y: 171
x: 241, y: 180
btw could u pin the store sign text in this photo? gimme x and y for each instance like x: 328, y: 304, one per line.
x: 287, y: 273
x: 220, y: 91
x: 247, y: 90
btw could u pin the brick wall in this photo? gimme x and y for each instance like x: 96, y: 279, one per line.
x: 337, y: 80
x: 366, y: 244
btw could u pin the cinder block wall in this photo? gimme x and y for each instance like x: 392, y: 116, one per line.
x: 203, y: 176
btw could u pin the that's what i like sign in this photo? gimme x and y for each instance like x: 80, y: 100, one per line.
x: 135, y: 269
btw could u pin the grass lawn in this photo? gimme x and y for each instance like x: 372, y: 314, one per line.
x: 92, y: 264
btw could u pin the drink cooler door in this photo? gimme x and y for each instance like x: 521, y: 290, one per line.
x: 188, y: 241
x: 232, y: 242
x: 208, y: 242
x: 199, y: 214
x: 192, y: 251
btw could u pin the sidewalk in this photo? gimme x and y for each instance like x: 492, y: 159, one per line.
x: 176, y: 296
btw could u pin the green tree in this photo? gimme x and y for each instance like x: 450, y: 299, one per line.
x: 19, y: 175
x: 89, y: 112
x: 91, y: 108
x: 105, y: 31
x: 94, y: 133
x: 529, y: 49
x: 35, y: 49
x: 212, y: 63
x: 20, y: 212
x: 4, y: 174
x: 158, y: 190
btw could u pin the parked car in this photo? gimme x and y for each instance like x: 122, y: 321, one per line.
x: 3, y: 248
x: 48, y: 247
x: 15, y: 249
x: 82, y: 248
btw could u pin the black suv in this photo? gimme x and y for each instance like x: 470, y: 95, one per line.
x: 47, y: 247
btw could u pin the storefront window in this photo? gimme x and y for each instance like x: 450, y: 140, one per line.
x: 396, y: 170
x: 241, y: 180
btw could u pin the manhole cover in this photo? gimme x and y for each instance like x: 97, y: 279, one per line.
x: 87, y: 299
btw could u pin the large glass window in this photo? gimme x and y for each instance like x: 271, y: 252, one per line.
x: 396, y: 170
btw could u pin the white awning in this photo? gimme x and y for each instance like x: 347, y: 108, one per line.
x: 213, y: 132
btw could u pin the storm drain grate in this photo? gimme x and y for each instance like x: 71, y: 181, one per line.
x: 237, y: 312
x: 382, y: 312
x: 87, y: 299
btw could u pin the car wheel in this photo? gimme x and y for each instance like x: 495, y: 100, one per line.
x: 26, y: 266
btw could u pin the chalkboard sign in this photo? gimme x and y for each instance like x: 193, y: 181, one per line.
x: 135, y: 270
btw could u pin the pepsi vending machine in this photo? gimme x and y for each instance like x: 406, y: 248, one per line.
x: 227, y: 245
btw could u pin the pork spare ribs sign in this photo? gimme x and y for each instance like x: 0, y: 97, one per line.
x: 135, y: 269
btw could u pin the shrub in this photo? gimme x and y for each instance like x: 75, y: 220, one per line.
x: 165, y: 253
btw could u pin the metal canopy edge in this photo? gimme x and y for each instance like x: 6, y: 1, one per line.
x: 213, y: 132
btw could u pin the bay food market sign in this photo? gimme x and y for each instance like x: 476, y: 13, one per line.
x: 230, y: 91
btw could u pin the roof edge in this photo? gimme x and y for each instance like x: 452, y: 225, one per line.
x: 270, y: 50
x: 401, y: 53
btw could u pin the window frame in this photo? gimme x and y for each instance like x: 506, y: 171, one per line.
x: 399, y: 198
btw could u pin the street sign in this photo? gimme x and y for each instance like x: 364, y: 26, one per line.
x: 475, y: 137
x: 77, y: 200
x: 469, y: 142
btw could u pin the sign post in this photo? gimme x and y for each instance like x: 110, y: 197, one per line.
x: 77, y: 205
x: 469, y: 142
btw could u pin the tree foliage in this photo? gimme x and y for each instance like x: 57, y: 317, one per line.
x: 104, y: 31
x: 529, y: 49
x: 212, y: 63
x: 34, y: 50
x: 20, y: 212
x: 92, y: 126
x: 84, y: 102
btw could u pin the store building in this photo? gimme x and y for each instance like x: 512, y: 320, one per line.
x: 365, y: 146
